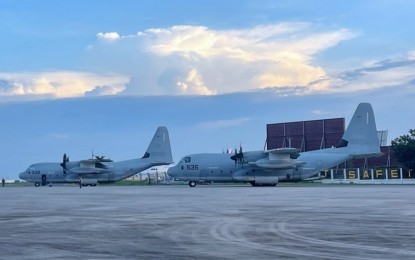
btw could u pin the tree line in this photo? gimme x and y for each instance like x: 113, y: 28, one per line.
x: 404, y: 148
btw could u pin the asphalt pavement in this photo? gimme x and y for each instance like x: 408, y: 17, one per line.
x: 208, y: 222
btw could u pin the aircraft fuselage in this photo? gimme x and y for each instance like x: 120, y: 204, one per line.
x: 221, y: 168
x: 99, y: 170
x: 360, y: 140
x: 52, y: 172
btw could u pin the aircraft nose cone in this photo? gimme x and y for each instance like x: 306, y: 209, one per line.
x: 171, y: 172
x: 22, y: 175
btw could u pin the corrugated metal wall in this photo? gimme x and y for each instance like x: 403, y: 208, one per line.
x: 319, y: 134
x: 306, y: 135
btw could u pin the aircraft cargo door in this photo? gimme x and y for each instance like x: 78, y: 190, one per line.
x: 203, y: 174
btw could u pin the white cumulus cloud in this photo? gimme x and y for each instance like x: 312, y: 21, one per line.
x: 108, y: 36
x: 198, y: 60
x: 193, y: 84
x: 190, y: 60
x: 57, y: 84
x: 102, y: 91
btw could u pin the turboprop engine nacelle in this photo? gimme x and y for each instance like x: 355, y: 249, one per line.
x: 278, y: 164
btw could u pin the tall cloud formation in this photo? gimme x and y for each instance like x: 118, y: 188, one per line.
x: 188, y: 60
x: 197, y: 60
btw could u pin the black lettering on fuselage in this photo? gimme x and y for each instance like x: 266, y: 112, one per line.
x: 192, y: 167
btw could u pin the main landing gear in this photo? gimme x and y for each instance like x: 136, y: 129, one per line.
x: 262, y: 184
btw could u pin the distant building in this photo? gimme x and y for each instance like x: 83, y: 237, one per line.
x: 157, y: 173
x: 383, y: 137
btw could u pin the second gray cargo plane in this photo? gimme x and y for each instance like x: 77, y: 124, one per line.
x: 269, y: 167
x: 93, y: 171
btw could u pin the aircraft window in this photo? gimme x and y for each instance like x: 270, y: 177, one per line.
x: 187, y: 159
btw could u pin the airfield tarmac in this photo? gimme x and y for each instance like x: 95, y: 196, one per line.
x: 208, y: 222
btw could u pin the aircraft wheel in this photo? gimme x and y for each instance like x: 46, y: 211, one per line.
x: 192, y: 184
x: 37, y: 184
x: 253, y: 184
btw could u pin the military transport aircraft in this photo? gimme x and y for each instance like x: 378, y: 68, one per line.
x: 100, y: 170
x: 267, y: 168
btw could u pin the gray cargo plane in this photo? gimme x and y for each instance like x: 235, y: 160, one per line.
x: 267, y: 168
x: 100, y: 170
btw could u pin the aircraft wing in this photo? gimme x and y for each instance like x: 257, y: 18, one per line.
x: 280, y: 158
x: 282, y: 151
x: 91, y: 166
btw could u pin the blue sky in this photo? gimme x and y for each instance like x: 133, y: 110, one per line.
x: 77, y: 76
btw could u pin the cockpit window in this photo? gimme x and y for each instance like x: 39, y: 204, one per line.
x: 186, y: 159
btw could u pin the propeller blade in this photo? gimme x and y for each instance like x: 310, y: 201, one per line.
x: 238, y: 157
x: 65, y: 159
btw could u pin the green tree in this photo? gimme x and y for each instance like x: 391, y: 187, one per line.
x: 404, y: 148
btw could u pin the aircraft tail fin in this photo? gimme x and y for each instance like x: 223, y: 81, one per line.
x: 361, y: 137
x: 159, y: 149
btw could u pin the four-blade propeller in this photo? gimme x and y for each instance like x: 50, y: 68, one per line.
x: 238, y: 157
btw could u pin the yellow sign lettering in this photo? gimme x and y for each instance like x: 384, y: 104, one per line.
x: 365, y: 174
x: 394, y: 174
x: 379, y: 173
x: 352, y: 175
